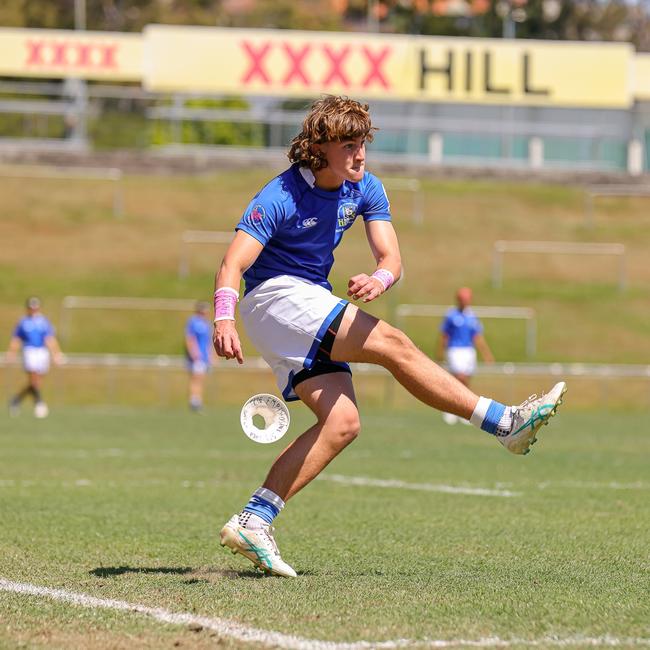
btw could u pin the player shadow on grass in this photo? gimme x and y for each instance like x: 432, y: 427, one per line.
x: 107, y: 571
x: 200, y: 575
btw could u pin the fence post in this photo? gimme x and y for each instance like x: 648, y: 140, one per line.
x: 5, y: 374
x: 118, y: 195
x: 184, y: 264
x: 589, y: 208
x: 418, y: 204
x: 536, y: 153
x: 436, y: 148
x: 176, y: 119
x: 497, y: 263
x: 64, y: 324
x: 163, y: 382
x: 635, y: 157
x: 621, y: 272
x: 531, y: 337
x: 110, y: 383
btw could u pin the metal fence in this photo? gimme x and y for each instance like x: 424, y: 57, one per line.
x: 594, y: 191
x: 70, y: 304
x: 502, y: 247
x: 114, y: 379
x: 413, y: 133
x: 525, y: 314
x: 193, y: 237
x: 110, y: 174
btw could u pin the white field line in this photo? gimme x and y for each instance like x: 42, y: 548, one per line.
x: 424, y: 487
x: 238, y: 632
x: 594, y: 485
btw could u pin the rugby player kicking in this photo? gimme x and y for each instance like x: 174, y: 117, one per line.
x: 283, y: 248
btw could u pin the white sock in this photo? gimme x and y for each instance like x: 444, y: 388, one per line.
x: 505, y: 423
x: 251, y: 520
x: 480, y: 411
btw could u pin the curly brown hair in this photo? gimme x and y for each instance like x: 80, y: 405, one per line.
x: 331, y: 118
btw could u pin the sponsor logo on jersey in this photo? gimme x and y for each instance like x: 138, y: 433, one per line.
x: 257, y: 213
x: 347, y: 214
x: 309, y: 222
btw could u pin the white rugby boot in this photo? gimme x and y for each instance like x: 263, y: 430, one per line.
x: 529, y: 416
x: 256, y: 544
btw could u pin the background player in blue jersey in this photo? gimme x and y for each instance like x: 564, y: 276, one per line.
x: 35, y: 334
x: 284, y: 247
x: 198, y: 343
x: 461, y: 335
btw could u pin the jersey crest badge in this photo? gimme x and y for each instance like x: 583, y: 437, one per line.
x: 347, y: 214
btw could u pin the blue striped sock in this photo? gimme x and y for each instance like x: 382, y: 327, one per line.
x: 487, y: 414
x: 266, y: 504
x: 494, y: 413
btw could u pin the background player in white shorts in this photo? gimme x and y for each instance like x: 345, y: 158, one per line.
x: 197, y: 352
x: 35, y: 334
x: 461, y: 335
x: 284, y: 250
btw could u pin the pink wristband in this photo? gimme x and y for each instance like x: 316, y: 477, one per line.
x: 385, y: 277
x: 225, y: 300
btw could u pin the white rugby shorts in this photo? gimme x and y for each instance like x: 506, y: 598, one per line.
x: 36, y: 359
x: 286, y: 318
x: 461, y: 360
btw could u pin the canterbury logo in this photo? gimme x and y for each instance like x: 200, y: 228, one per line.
x: 308, y: 223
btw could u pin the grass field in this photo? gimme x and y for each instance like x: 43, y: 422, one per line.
x: 419, y: 535
x: 126, y: 505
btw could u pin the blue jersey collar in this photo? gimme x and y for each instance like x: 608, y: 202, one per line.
x: 306, y: 177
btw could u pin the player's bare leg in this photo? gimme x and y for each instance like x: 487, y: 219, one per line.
x: 33, y: 388
x: 331, y: 398
x: 41, y: 409
x: 249, y: 533
x: 364, y: 338
x: 449, y: 418
x: 196, y: 391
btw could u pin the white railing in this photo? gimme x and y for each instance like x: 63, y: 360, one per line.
x: 256, y: 364
x: 555, y: 247
x: 412, y: 185
x: 71, y: 303
x: 190, y: 237
x: 163, y: 367
x: 594, y: 191
x: 526, y: 314
x: 109, y: 174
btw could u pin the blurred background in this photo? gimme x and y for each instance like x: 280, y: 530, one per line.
x: 514, y: 143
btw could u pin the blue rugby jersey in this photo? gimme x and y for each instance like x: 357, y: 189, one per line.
x: 300, y: 225
x: 461, y: 327
x: 33, y: 330
x: 199, y: 329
